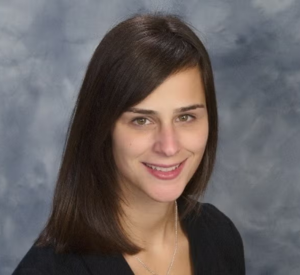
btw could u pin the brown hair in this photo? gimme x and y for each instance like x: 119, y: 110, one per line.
x: 132, y: 59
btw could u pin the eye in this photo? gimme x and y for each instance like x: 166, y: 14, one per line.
x: 141, y: 121
x: 183, y: 118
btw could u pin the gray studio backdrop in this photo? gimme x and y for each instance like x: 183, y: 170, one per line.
x: 255, y: 51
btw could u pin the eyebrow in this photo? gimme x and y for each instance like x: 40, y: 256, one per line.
x: 178, y: 110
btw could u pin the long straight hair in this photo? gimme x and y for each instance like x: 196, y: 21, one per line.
x: 132, y: 59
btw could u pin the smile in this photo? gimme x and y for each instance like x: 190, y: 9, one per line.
x: 164, y: 169
x: 165, y: 172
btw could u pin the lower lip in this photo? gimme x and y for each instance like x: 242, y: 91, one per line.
x: 166, y: 175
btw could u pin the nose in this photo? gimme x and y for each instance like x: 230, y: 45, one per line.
x: 166, y: 141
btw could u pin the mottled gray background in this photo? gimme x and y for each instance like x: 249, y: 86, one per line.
x: 254, y: 46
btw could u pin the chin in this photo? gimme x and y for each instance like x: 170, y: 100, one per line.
x: 166, y: 195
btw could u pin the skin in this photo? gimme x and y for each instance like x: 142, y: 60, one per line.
x: 163, y: 137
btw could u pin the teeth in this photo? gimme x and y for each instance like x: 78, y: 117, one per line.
x: 163, y: 169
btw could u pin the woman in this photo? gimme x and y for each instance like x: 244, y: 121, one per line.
x: 140, y: 151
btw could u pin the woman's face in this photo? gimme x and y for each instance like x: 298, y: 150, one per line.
x: 158, y: 144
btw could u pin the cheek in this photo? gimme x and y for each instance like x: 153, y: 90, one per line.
x: 128, y: 145
x: 195, y: 141
x: 196, y: 145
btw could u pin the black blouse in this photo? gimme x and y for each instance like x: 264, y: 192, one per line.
x: 216, y: 248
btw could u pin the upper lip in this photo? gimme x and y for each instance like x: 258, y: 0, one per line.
x: 163, y: 165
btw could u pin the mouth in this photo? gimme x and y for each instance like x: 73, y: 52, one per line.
x: 164, y: 168
x: 163, y: 171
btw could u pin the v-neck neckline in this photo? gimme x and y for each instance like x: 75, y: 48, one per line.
x: 192, y: 247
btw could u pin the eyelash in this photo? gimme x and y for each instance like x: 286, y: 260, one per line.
x: 190, y: 116
x: 134, y: 121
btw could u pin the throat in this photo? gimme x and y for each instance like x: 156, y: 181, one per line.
x: 151, y: 226
x: 160, y: 257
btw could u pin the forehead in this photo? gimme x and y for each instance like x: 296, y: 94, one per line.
x: 180, y: 89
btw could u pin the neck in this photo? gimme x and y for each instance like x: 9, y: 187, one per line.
x: 149, y: 224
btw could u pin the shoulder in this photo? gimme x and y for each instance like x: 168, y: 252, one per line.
x: 212, y: 215
x: 220, y: 227
x: 44, y: 261
x: 207, y: 216
x: 213, y: 233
